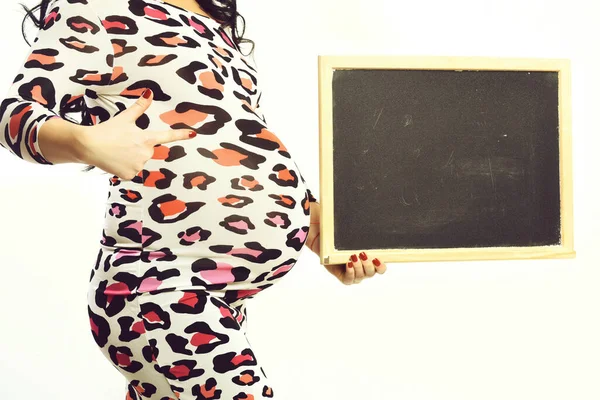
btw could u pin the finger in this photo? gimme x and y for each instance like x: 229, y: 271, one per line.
x: 359, y: 272
x: 348, y: 277
x: 367, y: 264
x: 380, y: 267
x: 170, y: 135
x: 140, y: 106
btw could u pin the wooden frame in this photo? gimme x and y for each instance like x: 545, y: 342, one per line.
x: 328, y: 63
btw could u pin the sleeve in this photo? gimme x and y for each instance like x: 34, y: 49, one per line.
x: 258, y: 110
x: 311, y: 198
x: 72, y: 53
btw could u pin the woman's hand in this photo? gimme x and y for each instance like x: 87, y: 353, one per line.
x: 119, y: 147
x: 356, y: 269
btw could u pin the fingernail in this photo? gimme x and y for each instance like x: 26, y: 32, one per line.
x: 376, y: 262
x: 363, y: 256
x: 192, y: 133
x: 349, y: 265
x: 354, y: 258
x: 147, y: 93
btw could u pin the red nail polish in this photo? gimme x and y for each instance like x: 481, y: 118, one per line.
x: 349, y: 265
x: 354, y: 258
x: 192, y: 133
x: 363, y: 256
x: 376, y: 262
x: 147, y: 93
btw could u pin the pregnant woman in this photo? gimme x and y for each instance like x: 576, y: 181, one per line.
x: 206, y: 207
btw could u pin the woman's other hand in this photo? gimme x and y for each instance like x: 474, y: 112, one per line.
x: 118, y: 146
x: 356, y: 269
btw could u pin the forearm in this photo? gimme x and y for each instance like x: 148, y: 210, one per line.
x: 33, y: 121
x: 313, y: 239
x: 61, y: 141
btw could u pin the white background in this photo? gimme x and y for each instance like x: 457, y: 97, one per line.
x: 494, y: 330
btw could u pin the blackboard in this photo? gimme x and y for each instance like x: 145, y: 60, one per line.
x: 445, y: 158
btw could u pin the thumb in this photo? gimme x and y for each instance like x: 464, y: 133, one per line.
x: 140, y: 106
x: 348, y: 277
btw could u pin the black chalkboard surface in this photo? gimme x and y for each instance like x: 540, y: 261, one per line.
x: 445, y: 159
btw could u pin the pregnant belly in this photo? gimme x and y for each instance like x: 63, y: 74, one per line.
x: 202, y: 197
